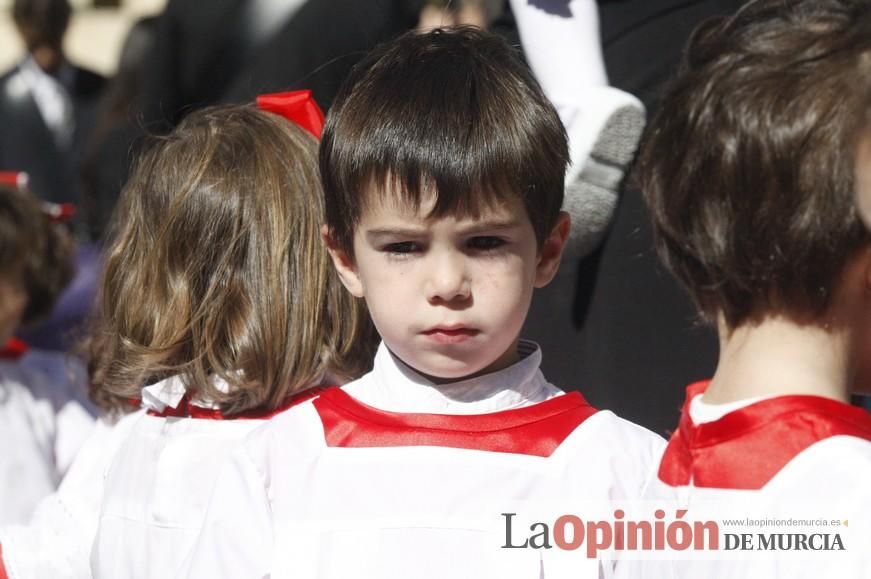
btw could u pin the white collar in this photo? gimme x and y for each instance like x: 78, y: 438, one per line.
x: 171, y: 391
x: 702, y: 412
x: 394, y: 386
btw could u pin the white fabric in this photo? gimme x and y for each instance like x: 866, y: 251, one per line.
x: 603, y: 124
x: 44, y: 419
x: 157, y: 488
x: 560, y: 36
x: 562, y: 45
x: 287, y: 505
x: 396, y: 387
x: 702, y: 412
x: 52, y: 99
x: 57, y: 541
x: 169, y: 392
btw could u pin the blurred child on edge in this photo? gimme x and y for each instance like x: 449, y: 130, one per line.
x: 44, y: 417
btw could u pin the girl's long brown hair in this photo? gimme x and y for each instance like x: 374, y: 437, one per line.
x: 217, y: 269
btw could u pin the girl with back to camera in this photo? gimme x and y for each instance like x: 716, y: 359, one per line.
x: 219, y: 310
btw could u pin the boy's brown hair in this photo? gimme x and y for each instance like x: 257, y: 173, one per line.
x: 747, y: 167
x: 217, y: 269
x: 453, y: 112
x: 34, y: 252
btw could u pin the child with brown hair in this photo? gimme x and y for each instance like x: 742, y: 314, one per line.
x: 44, y: 417
x: 747, y: 170
x: 443, y: 166
x: 218, y: 310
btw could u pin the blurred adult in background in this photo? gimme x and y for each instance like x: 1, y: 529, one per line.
x: 117, y: 130
x: 47, y: 103
x: 232, y: 50
x: 480, y: 13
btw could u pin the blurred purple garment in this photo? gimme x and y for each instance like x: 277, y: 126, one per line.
x: 66, y: 322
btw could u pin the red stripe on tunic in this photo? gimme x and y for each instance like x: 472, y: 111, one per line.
x: 535, y: 430
x: 746, y: 448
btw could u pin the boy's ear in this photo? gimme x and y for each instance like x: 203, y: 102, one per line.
x: 343, y: 263
x: 552, y: 250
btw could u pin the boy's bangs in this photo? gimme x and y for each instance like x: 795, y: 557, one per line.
x: 453, y: 113
x: 455, y: 194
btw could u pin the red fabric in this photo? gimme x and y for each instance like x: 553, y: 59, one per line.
x: 59, y: 212
x: 534, y: 430
x: 13, y: 178
x: 297, y: 106
x: 746, y: 448
x: 187, y: 410
x: 13, y: 349
x: 3, y: 574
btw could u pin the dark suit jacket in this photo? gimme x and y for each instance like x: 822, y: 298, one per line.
x: 26, y: 144
x: 318, y: 46
x: 206, y: 56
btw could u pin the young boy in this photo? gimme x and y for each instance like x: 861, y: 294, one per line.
x: 753, y: 212
x: 443, y: 166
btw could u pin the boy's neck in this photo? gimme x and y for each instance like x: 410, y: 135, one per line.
x: 779, y: 357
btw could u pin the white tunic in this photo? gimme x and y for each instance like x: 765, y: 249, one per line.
x: 394, y: 476
x: 57, y: 541
x: 769, y: 459
x: 44, y: 419
x: 158, y: 484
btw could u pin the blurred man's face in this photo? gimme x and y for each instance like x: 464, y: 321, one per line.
x: 45, y: 48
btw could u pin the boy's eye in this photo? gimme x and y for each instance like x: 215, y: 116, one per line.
x: 486, y: 242
x: 401, y: 247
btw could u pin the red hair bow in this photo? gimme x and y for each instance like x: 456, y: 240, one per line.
x: 13, y: 179
x: 56, y: 212
x: 297, y: 106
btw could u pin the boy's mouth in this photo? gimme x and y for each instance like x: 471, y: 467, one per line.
x: 450, y: 335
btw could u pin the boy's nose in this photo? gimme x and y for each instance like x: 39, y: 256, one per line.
x: 447, y: 280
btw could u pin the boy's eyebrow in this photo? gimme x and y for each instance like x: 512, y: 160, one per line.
x: 491, y: 225
x: 374, y: 235
x: 382, y: 232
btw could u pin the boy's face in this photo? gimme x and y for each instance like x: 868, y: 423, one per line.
x: 449, y: 295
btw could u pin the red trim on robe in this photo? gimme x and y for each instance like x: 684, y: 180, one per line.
x: 535, y: 430
x: 13, y: 350
x: 3, y: 574
x: 186, y: 409
x: 746, y: 448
